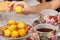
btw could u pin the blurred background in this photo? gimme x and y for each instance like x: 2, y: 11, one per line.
x: 37, y: 0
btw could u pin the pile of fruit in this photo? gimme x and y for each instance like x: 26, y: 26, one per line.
x: 14, y: 29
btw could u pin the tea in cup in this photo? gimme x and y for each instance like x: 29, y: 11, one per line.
x: 46, y: 31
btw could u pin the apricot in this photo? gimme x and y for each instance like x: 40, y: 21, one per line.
x: 14, y: 34
x: 18, y: 9
x: 7, y: 33
x: 22, y: 32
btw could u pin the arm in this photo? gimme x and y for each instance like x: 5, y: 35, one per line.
x: 46, y: 5
x: 34, y: 9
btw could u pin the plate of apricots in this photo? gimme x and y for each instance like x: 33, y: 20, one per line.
x: 14, y: 29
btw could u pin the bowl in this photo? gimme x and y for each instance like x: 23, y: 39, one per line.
x: 4, y: 17
x: 19, y: 38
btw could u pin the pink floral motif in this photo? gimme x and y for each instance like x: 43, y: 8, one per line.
x: 51, y: 20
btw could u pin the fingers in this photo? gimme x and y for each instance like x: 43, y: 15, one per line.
x: 12, y: 3
x: 24, y: 5
x: 11, y: 6
x: 21, y: 3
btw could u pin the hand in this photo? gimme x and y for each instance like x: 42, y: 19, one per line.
x: 26, y: 8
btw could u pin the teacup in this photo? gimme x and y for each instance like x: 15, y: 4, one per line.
x: 46, y: 31
x: 49, y: 16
